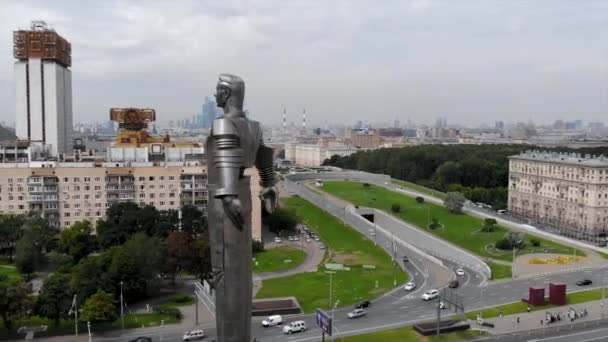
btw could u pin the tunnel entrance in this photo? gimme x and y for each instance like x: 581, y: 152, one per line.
x: 369, y: 217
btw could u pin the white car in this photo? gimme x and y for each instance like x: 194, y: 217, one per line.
x: 308, y: 239
x: 278, y: 240
x: 409, y: 286
x: 357, y: 313
x: 295, y: 238
x: 430, y: 294
x: 321, y: 246
x: 460, y: 272
x: 293, y: 327
x: 273, y: 320
x: 194, y: 335
x: 317, y: 239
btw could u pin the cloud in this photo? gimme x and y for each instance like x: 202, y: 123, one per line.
x: 417, y: 58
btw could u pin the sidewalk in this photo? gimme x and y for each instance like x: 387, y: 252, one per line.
x: 532, y: 320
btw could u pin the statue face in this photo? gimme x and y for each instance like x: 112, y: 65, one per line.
x: 221, y: 96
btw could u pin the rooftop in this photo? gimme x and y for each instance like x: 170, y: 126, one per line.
x: 576, y: 159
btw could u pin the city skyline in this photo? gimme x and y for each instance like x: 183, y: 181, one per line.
x: 471, y: 63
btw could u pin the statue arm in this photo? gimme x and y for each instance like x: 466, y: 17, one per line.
x: 264, y: 164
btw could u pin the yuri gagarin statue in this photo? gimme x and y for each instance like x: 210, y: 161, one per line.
x: 235, y: 144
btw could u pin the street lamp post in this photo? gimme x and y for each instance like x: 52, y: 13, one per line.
x: 162, y: 322
x: 330, y: 299
x: 89, y: 328
x: 122, y: 315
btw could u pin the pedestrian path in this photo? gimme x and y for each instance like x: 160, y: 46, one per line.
x: 551, y: 317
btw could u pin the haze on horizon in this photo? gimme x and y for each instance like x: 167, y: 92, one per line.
x: 470, y: 61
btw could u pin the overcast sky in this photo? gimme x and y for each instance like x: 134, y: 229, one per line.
x: 470, y: 61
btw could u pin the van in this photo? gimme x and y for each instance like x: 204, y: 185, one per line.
x: 194, y: 335
x: 293, y: 327
x: 273, y: 320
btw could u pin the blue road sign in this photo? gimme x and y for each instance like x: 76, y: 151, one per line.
x: 324, y: 321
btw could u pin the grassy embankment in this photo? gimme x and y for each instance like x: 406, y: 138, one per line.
x: 345, y: 246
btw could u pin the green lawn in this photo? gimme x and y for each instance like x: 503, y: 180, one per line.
x: 499, y: 271
x: 347, y: 247
x: 9, y: 271
x: 407, y: 334
x: 460, y: 229
x: 273, y: 259
x: 66, y: 326
x: 419, y: 188
x: 521, y: 307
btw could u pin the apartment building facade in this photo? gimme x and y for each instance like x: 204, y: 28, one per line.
x: 568, y: 192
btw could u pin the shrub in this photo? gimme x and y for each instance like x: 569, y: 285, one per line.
x: 164, y: 310
x: 420, y: 199
x: 535, y: 242
x: 434, y: 224
x: 181, y: 298
x: 257, y: 246
x: 504, y: 244
x: 366, y: 185
x: 396, y: 208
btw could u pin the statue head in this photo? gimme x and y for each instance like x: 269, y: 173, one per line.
x: 230, y: 93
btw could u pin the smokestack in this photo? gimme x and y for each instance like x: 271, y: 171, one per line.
x: 304, y: 119
x: 284, y: 119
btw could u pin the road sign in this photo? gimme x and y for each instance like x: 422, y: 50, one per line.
x: 324, y: 321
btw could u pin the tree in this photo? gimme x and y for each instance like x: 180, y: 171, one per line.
x: 14, y: 300
x: 194, y: 220
x: 201, y: 266
x: 396, y: 208
x: 419, y: 199
x: 510, y: 241
x: 120, y: 224
x: 61, y: 262
x: 181, y: 252
x: 77, y: 241
x: 35, y: 241
x: 99, y: 307
x: 137, y: 265
x: 92, y: 274
x: 55, y: 298
x: 454, y: 201
x: 281, y: 219
x: 434, y: 224
x: 11, y: 230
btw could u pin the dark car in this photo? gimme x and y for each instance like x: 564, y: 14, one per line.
x: 405, y: 259
x: 142, y: 339
x: 363, y: 304
x: 454, y: 284
x: 584, y: 282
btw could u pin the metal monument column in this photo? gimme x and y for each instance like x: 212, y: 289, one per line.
x: 234, y: 145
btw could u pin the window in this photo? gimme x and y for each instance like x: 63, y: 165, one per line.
x: 97, y: 179
x: 162, y: 203
x: 76, y: 205
x: 171, y: 177
x: 151, y: 195
x: 10, y: 180
x: 97, y: 205
x: 76, y: 179
x: 87, y: 179
x: 86, y: 188
x: 162, y: 186
x: 172, y: 194
x: 20, y: 198
x: 161, y: 195
x: 151, y: 186
x: 75, y: 196
x: 141, y: 204
x: 151, y: 178
x: 86, y: 197
x: 141, y: 178
x: 152, y: 203
x: 66, y: 214
x: 76, y: 187
x: 97, y: 187
x: 87, y: 214
x: 142, y: 195
x: 98, y: 213
x: 66, y: 223
x: 142, y: 187
x: 19, y: 180
x: 77, y: 213
x: 162, y: 178
x: 171, y: 203
x: 21, y: 207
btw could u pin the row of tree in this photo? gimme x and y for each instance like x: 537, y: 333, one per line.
x: 480, y: 172
x: 135, y: 248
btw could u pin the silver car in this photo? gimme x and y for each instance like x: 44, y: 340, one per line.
x: 357, y: 313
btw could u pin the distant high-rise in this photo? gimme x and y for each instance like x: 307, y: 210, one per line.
x: 43, y: 83
x: 209, y: 113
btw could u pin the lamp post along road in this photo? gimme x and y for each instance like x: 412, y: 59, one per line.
x: 122, y: 314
